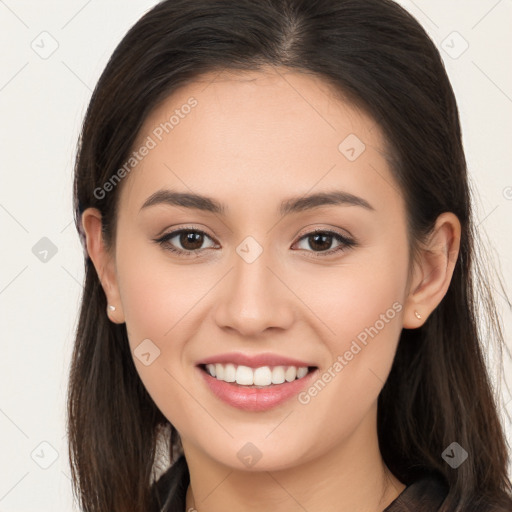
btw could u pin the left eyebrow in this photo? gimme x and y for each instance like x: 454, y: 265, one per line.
x: 288, y: 206
x: 334, y: 197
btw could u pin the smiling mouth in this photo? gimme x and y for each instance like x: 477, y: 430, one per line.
x: 261, y: 377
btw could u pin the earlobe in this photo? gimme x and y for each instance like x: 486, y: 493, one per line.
x: 433, y: 270
x: 103, y: 262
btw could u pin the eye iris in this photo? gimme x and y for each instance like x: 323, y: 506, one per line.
x: 317, y: 236
x: 191, y: 237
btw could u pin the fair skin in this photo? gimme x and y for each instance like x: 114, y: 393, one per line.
x: 252, y: 141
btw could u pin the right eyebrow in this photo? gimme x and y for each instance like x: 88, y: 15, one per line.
x: 184, y: 199
x: 288, y: 206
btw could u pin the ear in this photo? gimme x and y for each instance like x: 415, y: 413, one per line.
x: 433, y: 270
x: 104, y: 262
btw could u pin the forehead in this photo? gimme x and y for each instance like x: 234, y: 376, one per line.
x: 268, y: 132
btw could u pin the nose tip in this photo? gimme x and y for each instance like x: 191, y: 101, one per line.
x: 254, y: 299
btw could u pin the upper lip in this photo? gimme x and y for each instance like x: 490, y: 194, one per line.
x: 253, y: 361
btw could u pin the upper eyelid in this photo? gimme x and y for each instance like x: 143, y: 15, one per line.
x: 185, y: 229
x: 310, y: 232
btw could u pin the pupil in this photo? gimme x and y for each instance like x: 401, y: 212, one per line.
x: 316, y: 237
x: 195, y: 239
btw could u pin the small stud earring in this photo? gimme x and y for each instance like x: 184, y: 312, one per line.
x: 111, y: 308
x: 417, y: 315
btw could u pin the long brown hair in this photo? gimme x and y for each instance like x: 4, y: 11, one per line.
x: 379, y: 58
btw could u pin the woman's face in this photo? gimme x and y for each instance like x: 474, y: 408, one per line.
x: 253, y: 279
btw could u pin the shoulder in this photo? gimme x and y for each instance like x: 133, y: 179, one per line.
x: 170, y: 489
x: 426, y: 494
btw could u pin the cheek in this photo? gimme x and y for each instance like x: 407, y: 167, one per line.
x: 360, y: 307
x: 350, y: 299
x: 156, y: 297
x: 369, y: 300
x: 156, y: 294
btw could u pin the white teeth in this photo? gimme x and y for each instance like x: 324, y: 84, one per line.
x: 302, y: 372
x: 230, y: 373
x: 211, y: 369
x: 278, y: 374
x: 244, y: 376
x: 290, y: 373
x: 262, y: 376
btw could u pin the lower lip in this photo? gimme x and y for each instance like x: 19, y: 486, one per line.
x: 256, y: 399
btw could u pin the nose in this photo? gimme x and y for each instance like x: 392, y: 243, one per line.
x: 255, y: 297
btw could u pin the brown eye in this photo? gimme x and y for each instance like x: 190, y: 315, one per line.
x: 191, y: 241
x: 321, y: 242
x: 187, y: 242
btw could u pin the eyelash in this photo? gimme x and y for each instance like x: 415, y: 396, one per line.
x: 346, y: 242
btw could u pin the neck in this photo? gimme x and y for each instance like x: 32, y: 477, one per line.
x: 351, y: 477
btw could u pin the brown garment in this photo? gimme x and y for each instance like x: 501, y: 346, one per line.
x: 424, y: 495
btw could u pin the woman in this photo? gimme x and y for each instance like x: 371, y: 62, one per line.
x: 274, y: 203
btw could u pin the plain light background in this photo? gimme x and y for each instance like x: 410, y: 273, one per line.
x: 43, y: 98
